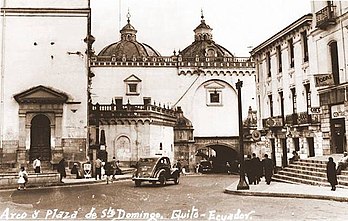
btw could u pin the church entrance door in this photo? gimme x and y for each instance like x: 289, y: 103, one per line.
x: 40, y: 134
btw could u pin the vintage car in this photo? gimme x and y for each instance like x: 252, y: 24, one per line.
x: 155, y: 169
x: 205, y: 166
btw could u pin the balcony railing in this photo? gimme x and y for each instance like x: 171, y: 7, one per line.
x: 326, y: 16
x: 273, y: 122
x: 301, y: 119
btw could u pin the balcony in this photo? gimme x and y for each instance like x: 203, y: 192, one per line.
x: 326, y: 17
x: 302, y: 119
x: 273, y: 122
x: 291, y: 119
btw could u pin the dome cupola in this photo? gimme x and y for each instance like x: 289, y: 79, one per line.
x: 128, y: 48
x: 203, y: 32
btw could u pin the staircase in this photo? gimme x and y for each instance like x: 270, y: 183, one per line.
x: 310, y: 171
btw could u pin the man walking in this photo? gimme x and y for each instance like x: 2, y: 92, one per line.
x: 268, y: 168
x: 37, y: 165
x: 98, y: 165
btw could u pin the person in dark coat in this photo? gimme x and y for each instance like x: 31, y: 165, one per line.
x: 256, y: 168
x: 248, y: 169
x: 331, y: 173
x: 61, y: 169
x: 267, y: 165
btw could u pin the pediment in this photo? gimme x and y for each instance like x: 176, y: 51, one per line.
x: 41, y: 94
x: 132, y: 78
x: 214, y: 85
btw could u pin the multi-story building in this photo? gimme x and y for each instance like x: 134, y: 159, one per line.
x: 287, y: 98
x: 43, y: 109
x: 329, y: 63
x: 302, y: 84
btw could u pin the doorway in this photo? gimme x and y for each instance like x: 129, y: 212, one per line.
x: 285, y: 152
x: 310, y: 141
x: 338, y: 134
x: 40, y: 138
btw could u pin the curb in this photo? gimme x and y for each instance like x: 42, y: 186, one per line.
x: 285, y: 195
x: 65, y: 184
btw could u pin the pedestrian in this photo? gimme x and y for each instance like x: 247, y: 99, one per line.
x: 37, y: 165
x: 248, y: 169
x: 267, y: 165
x: 76, y: 170
x: 228, y: 168
x: 22, y: 178
x: 295, y: 157
x: 331, y: 173
x: 178, y: 165
x: 256, y: 168
x: 109, y: 172
x: 342, y: 163
x: 98, y: 165
x: 61, y: 170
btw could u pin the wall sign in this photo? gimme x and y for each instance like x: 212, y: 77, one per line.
x: 337, y: 111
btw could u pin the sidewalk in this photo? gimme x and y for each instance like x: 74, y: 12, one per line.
x: 72, y: 181
x: 278, y: 189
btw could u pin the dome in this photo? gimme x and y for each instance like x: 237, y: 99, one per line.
x: 128, y: 46
x: 204, y: 46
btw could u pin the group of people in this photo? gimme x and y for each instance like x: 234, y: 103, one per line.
x: 23, y: 174
x: 332, y: 172
x: 256, y: 168
x: 110, y: 169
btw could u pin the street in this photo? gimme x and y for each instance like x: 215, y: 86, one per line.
x: 197, y: 197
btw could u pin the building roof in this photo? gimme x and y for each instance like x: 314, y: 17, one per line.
x: 204, y: 46
x: 128, y: 47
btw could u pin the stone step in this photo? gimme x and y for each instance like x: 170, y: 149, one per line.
x: 309, y: 164
x: 290, y: 179
x: 314, y: 171
x: 319, y: 174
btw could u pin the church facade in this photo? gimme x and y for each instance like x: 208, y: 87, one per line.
x: 150, y: 91
x: 59, y: 99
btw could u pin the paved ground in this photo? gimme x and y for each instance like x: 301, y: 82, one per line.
x: 197, y: 197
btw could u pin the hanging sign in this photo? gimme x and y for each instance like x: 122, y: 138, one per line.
x: 337, y: 111
x: 323, y: 80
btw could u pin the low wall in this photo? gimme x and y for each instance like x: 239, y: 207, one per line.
x: 42, y: 179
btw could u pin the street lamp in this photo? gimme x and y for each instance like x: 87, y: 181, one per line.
x: 242, y: 185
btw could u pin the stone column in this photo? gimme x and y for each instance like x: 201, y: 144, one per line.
x: 21, y: 160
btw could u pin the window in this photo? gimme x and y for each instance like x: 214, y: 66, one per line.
x: 132, y: 88
x: 291, y: 53
x: 214, y: 98
x: 334, y: 62
x: 294, y: 108
x: 279, y: 58
x: 268, y: 60
x: 304, y: 39
x: 270, y: 105
x: 281, y: 97
x: 308, y: 95
x: 132, y: 85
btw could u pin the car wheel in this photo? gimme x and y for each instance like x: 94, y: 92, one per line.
x: 162, y: 180
x: 137, y: 183
x: 176, y: 180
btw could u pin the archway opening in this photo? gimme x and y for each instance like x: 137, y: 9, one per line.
x: 219, y: 155
x: 40, y: 138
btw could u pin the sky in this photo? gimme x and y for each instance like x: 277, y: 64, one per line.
x: 167, y: 25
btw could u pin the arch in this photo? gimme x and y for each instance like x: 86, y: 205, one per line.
x: 219, y: 155
x: 40, y: 138
x: 122, y: 148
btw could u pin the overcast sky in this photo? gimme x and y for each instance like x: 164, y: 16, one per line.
x: 166, y: 25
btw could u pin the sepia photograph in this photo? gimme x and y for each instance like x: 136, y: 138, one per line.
x: 184, y: 110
